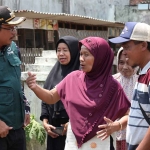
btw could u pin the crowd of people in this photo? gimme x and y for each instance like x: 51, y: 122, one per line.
x: 83, y: 105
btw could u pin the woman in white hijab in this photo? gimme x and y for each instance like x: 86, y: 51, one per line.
x: 127, y: 77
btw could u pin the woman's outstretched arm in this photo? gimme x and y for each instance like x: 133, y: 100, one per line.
x: 49, y: 97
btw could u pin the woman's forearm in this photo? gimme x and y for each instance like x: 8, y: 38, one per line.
x: 121, y: 123
x: 111, y: 127
x: 49, y: 97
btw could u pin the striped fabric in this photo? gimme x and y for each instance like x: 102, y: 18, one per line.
x: 137, y: 125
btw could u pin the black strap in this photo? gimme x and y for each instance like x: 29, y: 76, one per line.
x: 111, y: 143
x: 144, y: 114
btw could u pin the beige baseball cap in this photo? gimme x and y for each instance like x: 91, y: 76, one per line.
x: 133, y: 31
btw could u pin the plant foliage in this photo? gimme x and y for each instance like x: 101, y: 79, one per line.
x: 35, y: 131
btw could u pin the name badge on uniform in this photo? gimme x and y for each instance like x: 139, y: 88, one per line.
x: 9, y: 51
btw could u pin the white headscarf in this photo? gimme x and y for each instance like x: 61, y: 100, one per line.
x: 127, y: 83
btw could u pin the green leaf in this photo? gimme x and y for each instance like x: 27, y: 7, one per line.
x: 35, y: 131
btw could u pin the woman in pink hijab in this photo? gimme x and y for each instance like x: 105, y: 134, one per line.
x: 90, y: 96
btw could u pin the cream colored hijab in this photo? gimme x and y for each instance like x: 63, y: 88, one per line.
x: 127, y: 83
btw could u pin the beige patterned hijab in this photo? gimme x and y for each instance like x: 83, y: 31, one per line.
x: 127, y: 83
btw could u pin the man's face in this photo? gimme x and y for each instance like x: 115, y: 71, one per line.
x: 133, y: 53
x: 7, y: 33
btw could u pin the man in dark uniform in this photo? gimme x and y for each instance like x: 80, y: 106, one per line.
x: 12, y: 99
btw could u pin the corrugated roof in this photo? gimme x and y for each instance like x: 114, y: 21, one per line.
x: 145, y: 2
x: 67, y: 17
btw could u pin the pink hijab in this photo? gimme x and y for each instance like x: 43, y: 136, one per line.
x: 88, y: 97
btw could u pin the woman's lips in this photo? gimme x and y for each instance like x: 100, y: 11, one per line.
x: 62, y: 59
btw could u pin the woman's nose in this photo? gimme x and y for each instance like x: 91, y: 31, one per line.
x: 125, y: 66
x: 81, y: 58
x: 61, y: 53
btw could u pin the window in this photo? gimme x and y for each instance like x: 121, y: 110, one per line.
x: 36, y: 38
x: 26, y: 38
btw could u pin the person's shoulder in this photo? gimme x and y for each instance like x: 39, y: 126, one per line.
x: 146, y: 77
x: 116, y: 76
x: 136, y: 76
x: 75, y: 73
x: 148, y: 71
x: 116, y: 83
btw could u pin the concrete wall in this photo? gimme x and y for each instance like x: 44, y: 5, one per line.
x: 102, y: 9
x: 52, y: 6
x: 112, y: 10
x: 125, y: 13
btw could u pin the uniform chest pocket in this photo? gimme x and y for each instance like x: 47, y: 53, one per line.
x: 15, y: 63
x: 6, y: 100
x: 2, y: 62
x: 1, y: 68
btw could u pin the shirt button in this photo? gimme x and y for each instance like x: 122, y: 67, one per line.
x: 100, y: 95
x: 86, y: 121
x: 101, y: 85
x: 90, y: 114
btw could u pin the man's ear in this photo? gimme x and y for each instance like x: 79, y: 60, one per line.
x: 144, y: 45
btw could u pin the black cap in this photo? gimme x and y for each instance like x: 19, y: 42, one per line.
x: 7, y: 17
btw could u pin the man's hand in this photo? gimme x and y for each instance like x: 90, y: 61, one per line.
x: 26, y: 120
x: 4, y: 129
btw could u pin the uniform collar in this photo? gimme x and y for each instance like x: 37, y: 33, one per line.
x: 3, y: 48
x: 144, y: 70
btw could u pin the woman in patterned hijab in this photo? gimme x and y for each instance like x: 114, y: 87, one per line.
x: 127, y: 77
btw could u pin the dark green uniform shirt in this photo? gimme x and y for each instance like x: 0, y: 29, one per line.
x: 11, y: 96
